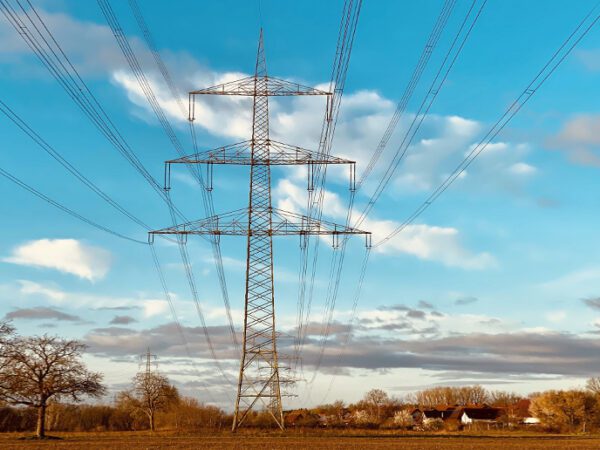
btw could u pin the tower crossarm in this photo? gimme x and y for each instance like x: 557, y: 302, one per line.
x: 271, y: 87
x: 240, y: 153
x: 259, y: 85
x: 279, y: 154
x: 284, y: 223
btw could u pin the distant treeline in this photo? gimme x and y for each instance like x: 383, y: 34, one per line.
x: 186, y: 415
x: 429, y: 410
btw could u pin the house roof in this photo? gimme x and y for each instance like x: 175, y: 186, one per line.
x: 483, y: 413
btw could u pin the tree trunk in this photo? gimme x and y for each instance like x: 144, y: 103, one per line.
x: 41, y: 421
x: 152, y: 421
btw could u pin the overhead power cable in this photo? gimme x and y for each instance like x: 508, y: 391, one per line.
x: 450, y: 59
x: 346, y: 34
x: 65, y: 209
x: 180, y: 329
x: 348, y: 336
x: 33, y: 30
x: 8, y: 112
x: 409, y: 90
x: 142, y: 80
x: 448, y: 62
x: 542, y: 76
x: 194, y: 290
x: 430, y: 45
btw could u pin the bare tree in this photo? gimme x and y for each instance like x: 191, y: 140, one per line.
x: 593, y: 385
x: 6, y: 334
x: 450, y: 395
x: 151, y: 393
x: 375, y: 400
x: 38, y: 369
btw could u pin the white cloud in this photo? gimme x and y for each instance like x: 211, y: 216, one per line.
x: 32, y: 288
x: 522, y: 168
x: 65, y: 255
x: 432, y: 243
x: 155, y: 307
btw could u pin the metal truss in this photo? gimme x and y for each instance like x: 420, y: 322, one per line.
x: 283, y: 223
x: 268, y: 87
x: 280, y: 154
x: 259, y: 382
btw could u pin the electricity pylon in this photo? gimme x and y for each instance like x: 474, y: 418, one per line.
x: 147, y: 359
x: 259, y: 378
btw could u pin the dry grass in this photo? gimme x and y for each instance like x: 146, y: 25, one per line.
x: 296, y: 441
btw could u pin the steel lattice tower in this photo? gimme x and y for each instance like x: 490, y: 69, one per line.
x: 259, y: 378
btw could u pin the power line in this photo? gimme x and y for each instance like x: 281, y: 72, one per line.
x: 41, y: 41
x: 448, y: 63
x: 424, y: 58
x: 346, y: 34
x: 19, y: 122
x: 547, y: 70
x: 65, y: 209
x: 192, y: 284
x: 61, y: 68
x: 409, y: 90
x: 180, y: 331
x: 348, y: 337
x: 142, y: 80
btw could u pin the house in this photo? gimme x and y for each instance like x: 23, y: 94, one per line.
x: 440, y: 412
x: 481, y: 415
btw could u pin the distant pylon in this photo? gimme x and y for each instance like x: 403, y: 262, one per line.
x: 259, y: 378
x: 147, y: 359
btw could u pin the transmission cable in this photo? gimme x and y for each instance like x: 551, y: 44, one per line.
x: 426, y: 53
x: 347, y: 31
x: 547, y: 70
x: 180, y: 330
x: 65, y: 209
x: 448, y: 63
x: 142, y: 80
x: 43, y: 44
x: 206, y: 193
x: 8, y: 112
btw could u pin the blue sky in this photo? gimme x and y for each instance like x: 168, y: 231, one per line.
x: 496, y: 283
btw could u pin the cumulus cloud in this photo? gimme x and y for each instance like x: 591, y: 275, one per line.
x: 41, y: 313
x: 33, y: 288
x: 65, y: 255
x: 155, y: 308
x: 74, y: 299
x: 580, y: 140
x: 432, y: 243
